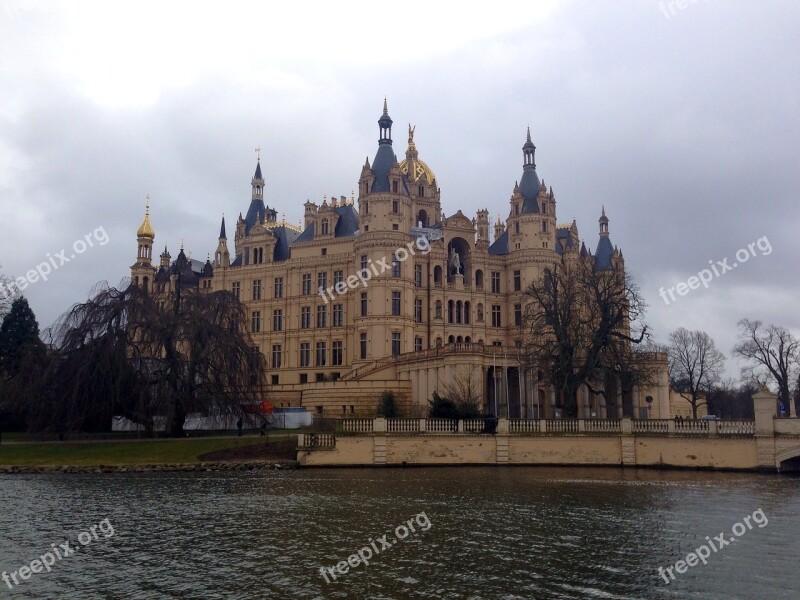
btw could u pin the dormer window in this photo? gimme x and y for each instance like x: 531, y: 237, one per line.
x: 516, y: 209
x: 421, y: 193
x: 324, y: 226
x: 394, y: 187
x: 544, y: 208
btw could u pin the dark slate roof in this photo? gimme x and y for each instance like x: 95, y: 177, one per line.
x: 237, y: 262
x: 258, y: 171
x: 384, y: 159
x: 307, y: 235
x: 257, y: 211
x: 222, y: 230
x: 602, y: 256
x: 347, y: 225
x: 564, y: 236
x: 500, y: 245
x: 162, y: 276
x: 529, y: 187
x: 285, y: 238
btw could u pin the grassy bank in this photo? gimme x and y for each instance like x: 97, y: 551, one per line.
x: 163, y: 451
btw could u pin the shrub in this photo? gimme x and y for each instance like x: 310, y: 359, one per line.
x: 387, y: 405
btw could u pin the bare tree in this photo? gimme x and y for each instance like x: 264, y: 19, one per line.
x: 125, y: 353
x: 581, y: 326
x: 464, y: 389
x: 772, y: 353
x: 695, y: 366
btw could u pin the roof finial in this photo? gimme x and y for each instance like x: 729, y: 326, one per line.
x: 385, y: 108
x: 529, y: 133
x: 258, y: 154
x: 411, y: 134
x: 604, y: 210
x: 147, y: 206
x: 283, y: 218
x: 181, y: 243
x: 352, y: 197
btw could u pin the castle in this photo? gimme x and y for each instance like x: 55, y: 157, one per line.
x: 388, y: 293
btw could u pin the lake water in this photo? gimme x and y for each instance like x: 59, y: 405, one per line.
x: 479, y: 533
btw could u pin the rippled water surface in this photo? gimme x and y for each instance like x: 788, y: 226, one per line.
x: 494, y: 533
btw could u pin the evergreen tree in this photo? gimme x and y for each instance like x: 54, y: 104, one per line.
x: 19, y: 337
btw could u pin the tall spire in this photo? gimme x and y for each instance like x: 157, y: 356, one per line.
x: 222, y: 235
x: 385, y: 125
x: 529, y: 152
x: 146, y: 229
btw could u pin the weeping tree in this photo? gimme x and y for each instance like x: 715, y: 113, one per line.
x: 125, y: 352
x: 582, y: 326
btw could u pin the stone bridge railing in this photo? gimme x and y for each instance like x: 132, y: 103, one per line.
x: 548, y: 427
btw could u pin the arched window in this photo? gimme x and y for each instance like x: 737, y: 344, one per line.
x: 145, y: 281
x: 422, y: 216
x: 437, y: 275
x: 324, y: 226
x: 467, y: 340
x: 451, y: 340
x: 459, y: 306
x: 466, y: 313
x: 450, y: 311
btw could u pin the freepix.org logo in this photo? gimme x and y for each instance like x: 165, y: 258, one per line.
x: 375, y: 269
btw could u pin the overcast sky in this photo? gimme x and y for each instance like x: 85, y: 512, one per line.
x: 683, y: 122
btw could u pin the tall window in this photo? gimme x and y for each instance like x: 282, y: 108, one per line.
x: 324, y: 226
x: 395, y: 266
x: 338, y: 277
x: 306, y: 284
x: 418, y: 344
x: 236, y: 288
x: 396, y: 303
x: 496, y: 315
x: 255, y: 321
x: 257, y: 289
x: 517, y: 281
x: 395, y: 206
x: 516, y: 226
x: 322, y: 316
x: 322, y: 280
x: 495, y: 282
x: 305, y: 317
x: 518, y: 315
x: 276, y: 356
x: 544, y: 226
x: 337, y: 354
x: 322, y: 354
x: 418, y: 275
x: 363, y: 345
x: 364, y: 261
x: 277, y: 320
x: 363, y: 304
x: 395, y: 343
x: 279, y: 287
x: 418, y: 310
x: 305, y: 354
x: 338, y: 315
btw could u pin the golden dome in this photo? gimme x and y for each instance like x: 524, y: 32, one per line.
x: 412, y: 166
x: 146, y: 229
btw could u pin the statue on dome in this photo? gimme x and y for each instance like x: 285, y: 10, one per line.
x: 411, y: 133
